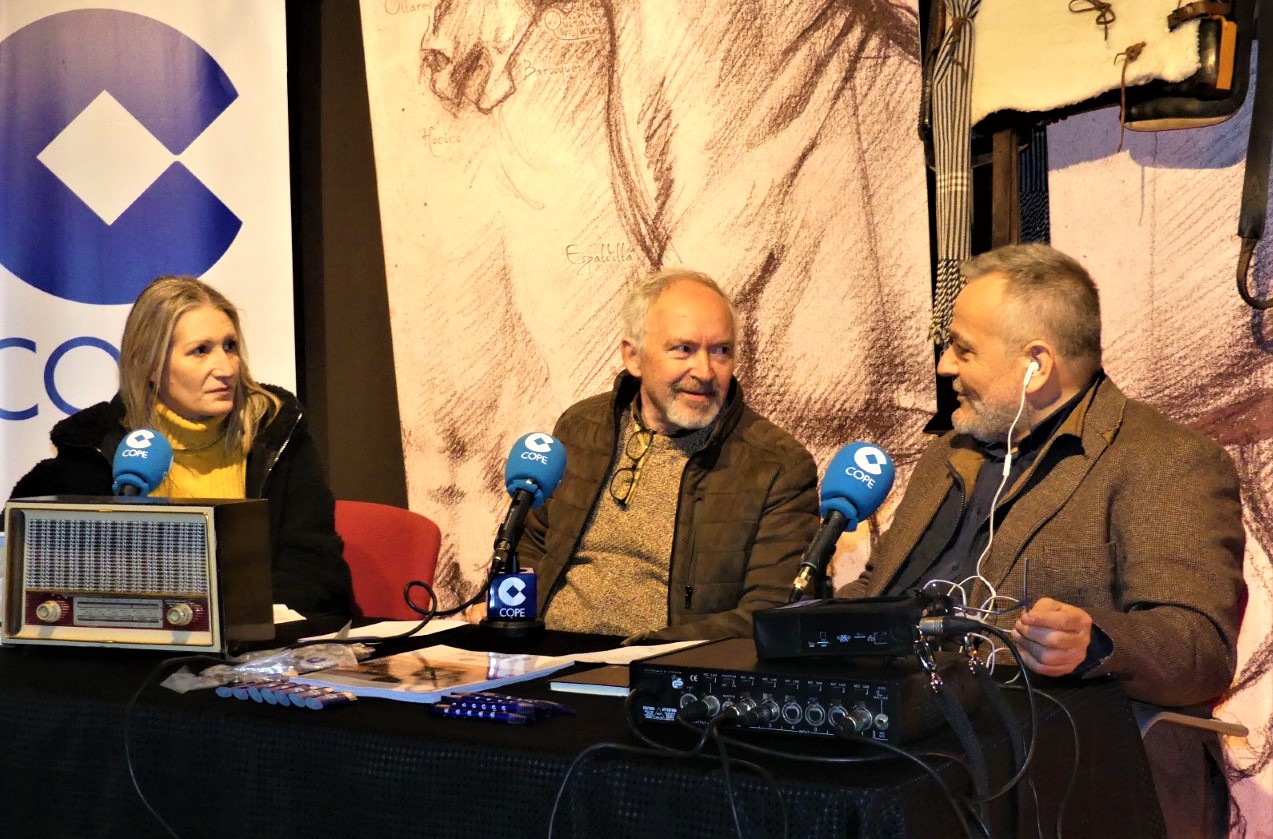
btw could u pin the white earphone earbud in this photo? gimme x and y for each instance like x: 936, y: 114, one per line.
x: 1030, y: 371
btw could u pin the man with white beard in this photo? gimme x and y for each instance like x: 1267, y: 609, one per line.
x: 682, y: 510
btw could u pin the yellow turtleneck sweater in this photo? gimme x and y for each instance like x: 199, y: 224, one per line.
x: 201, y: 466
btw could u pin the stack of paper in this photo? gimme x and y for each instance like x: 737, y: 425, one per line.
x: 428, y: 674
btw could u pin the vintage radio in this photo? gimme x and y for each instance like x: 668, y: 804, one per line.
x: 150, y: 573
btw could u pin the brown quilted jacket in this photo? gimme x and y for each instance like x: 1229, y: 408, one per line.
x: 748, y: 509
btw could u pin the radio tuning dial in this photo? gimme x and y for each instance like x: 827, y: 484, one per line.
x: 50, y: 611
x: 180, y: 614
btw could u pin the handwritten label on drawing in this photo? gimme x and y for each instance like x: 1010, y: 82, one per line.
x: 573, y: 22
x: 568, y: 71
x: 438, y: 139
x: 587, y: 258
x: 403, y: 7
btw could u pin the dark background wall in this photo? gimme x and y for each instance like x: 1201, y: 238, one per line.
x: 344, y: 348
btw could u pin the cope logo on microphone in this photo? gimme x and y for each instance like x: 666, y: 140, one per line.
x: 140, y: 439
x: 511, y: 591
x: 137, y: 442
x: 868, y: 461
x: 98, y: 104
x: 538, y: 445
x: 539, y: 442
x: 513, y: 597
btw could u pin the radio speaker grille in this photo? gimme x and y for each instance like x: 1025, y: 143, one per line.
x: 111, y: 555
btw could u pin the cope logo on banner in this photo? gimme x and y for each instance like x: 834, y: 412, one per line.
x: 97, y: 104
x: 122, y: 84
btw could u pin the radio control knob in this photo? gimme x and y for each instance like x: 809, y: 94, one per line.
x: 180, y: 614
x: 50, y: 611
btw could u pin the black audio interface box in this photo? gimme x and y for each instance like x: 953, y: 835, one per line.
x: 884, y: 626
x: 889, y: 699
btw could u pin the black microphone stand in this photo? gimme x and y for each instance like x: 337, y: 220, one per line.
x: 813, y: 566
x: 504, y: 563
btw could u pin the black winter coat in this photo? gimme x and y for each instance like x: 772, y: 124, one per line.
x: 310, y: 573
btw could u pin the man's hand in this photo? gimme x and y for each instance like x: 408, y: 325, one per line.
x: 1052, y: 637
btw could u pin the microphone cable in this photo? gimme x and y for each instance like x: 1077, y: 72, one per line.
x: 733, y: 798
x: 654, y: 749
x: 129, y: 710
x: 892, y: 753
x: 428, y: 614
x: 432, y: 611
x: 716, y: 720
x: 947, y: 625
x: 716, y: 717
x: 1064, y: 800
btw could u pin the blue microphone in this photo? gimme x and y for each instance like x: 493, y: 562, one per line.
x: 142, y: 460
x: 535, y: 465
x: 534, y: 469
x: 856, y: 483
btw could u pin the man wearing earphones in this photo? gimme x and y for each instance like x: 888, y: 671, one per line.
x: 1107, y: 537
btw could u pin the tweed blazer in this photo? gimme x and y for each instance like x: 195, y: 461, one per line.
x: 1124, y: 513
x: 748, y: 508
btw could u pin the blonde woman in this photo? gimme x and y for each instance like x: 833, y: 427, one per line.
x: 183, y: 370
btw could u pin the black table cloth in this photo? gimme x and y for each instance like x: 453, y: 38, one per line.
x: 220, y: 767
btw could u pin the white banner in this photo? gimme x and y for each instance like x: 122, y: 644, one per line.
x: 139, y: 138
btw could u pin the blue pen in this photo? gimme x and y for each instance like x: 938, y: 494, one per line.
x: 444, y: 710
x: 526, y: 709
x: 261, y: 691
x: 543, y: 707
x: 253, y: 690
x: 282, y: 694
x: 270, y: 692
x: 328, y: 697
x: 298, y: 697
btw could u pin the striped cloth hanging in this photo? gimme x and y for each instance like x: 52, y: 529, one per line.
x: 951, y: 86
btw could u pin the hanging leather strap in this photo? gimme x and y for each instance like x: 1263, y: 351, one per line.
x: 1192, y: 11
x: 1255, y: 185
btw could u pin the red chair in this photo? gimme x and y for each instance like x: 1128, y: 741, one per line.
x: 387, y: 547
